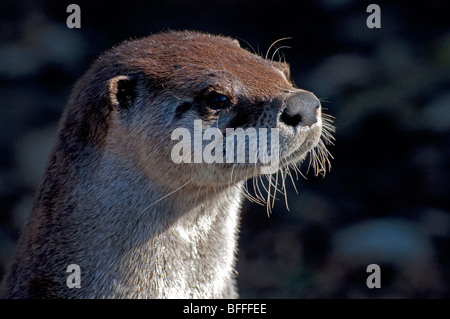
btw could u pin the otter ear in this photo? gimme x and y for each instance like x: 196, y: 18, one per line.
x: 121, y: 91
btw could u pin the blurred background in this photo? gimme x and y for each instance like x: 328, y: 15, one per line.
x: 385, y: 200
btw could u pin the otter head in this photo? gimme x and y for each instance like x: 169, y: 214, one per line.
x: 198, y: 108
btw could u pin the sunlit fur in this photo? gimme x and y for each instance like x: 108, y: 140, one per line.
x: 113, y: 201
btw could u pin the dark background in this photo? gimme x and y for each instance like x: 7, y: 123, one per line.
x: 386, y: 199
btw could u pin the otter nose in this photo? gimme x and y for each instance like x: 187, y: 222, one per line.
x: 301, y: 110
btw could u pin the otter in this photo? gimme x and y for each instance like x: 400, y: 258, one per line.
x: 114, y: 202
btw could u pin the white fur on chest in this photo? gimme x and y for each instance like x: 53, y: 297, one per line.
x: 206, y: 248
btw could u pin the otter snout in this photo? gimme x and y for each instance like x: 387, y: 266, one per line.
x: 301, y: 109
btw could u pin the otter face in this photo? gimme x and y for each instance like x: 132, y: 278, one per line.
x: 209, y: 111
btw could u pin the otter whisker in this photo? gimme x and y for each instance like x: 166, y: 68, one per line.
x: 198, y: 192
x: 256, y: 182
x: 288, y: 170
x: 251, y: 47
x: 298, y: 170
x: 282, y: 47
x: 283, y: 180
x: 165, y: 196
x: 257, y: 189
x: 321, y: 99
x: 249, y: 196
x: 276, y: 41
x: 275, y: 189
x: 268, y: 206
x: 246, y: 191
x: 231, y: 175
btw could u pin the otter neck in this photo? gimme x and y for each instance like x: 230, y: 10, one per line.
x: 140, y: 240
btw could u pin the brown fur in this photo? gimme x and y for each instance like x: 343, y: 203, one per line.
x: 111, y: 200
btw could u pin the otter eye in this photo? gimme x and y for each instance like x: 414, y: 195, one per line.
x: 219, y: 101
